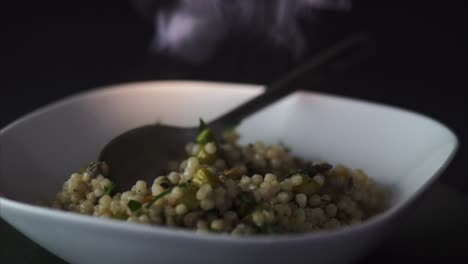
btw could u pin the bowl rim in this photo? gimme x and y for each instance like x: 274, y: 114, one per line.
x: 155, y: 230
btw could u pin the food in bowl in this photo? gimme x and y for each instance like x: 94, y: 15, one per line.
x: 224, y: 187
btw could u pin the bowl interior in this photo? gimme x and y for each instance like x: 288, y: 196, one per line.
x: 400, y: 149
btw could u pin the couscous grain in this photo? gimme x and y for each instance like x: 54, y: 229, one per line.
x: 224, y: 187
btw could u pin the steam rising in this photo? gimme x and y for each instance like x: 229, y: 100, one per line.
x: 191, y: 29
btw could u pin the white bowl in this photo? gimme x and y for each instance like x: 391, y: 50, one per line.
x: 402, y: 150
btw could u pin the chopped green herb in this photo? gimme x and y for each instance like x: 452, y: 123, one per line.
x: 291, y: 172
x: 157, y: 197
x: 189, y: 197
x: 205, y: 136
x: 184, y: 185
x: 245, y: 203
x: 164, y: 193
x: 109, y: 188
x: 133, y: 205
x: 248, y: 198
x: 202, y: 125
x: 120, y: 216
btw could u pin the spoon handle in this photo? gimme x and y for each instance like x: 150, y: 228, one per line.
x: 320, y: 66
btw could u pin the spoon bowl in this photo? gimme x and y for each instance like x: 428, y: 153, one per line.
x: 145, y: 152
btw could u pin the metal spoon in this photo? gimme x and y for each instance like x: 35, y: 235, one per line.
x: 143, y: 153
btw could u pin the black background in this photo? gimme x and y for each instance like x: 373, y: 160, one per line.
x: 50, y: 49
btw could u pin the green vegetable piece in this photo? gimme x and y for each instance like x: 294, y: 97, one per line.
x: 204, y: 157
x: 184, y: 185
x: 189, y: 197
x: 120, y: 217
x: 202, y: 125
x: 109, y: 189
x: 157, y: 197
x: 205, y: 136
x: 322, y: 167
x: 203, y: 176
x: 245, y: 203
x: 308, y: 186
x: 133, y: 205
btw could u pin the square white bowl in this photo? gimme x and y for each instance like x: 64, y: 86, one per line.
x: 402, y: 150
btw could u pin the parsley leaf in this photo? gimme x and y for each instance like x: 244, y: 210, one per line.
x: 109, y: 188
x: 133, y: 205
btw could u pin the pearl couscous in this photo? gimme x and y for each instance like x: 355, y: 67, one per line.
x: 224, y: 187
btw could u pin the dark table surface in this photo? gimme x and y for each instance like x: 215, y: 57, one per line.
x: 52, y: 49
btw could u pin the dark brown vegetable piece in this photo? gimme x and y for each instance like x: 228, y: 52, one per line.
x: 322, y: 167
